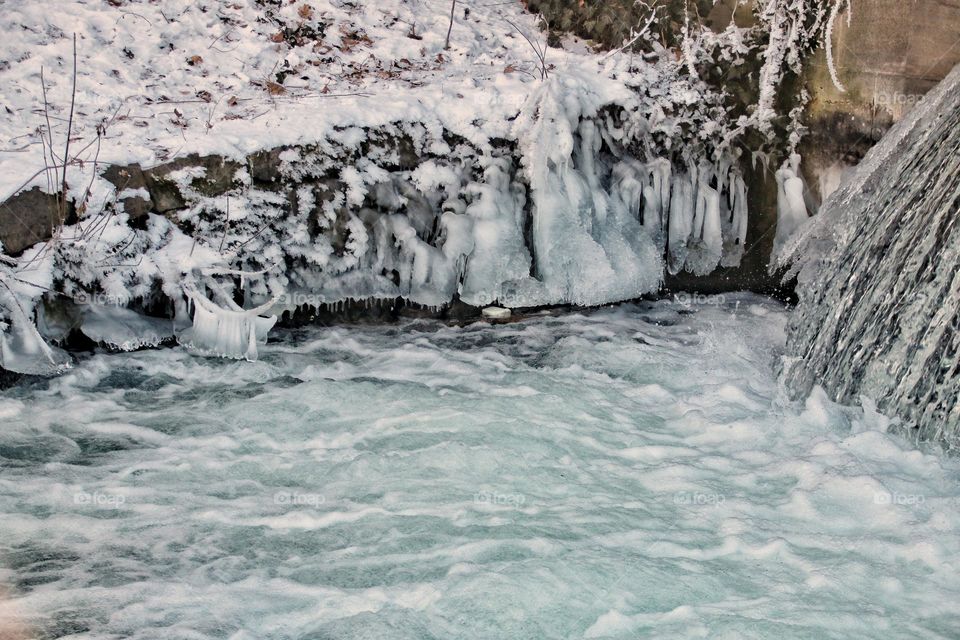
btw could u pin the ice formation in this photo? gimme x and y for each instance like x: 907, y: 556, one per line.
x: 794, y: 27
x: 122, y: 328
x: 22, y: 348
x: 230, y: 332
x: 878, y: 277
x: 791, y: 206
x: 589, y: 247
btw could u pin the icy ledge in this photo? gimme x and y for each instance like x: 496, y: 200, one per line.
x: 572, y: 208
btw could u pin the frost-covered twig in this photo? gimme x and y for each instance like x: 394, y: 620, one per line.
x: 541, y: 53
x: 643, y: 31
x: 828, y: 44
x: 66, y: 150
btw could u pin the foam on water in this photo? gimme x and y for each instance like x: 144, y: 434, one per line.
x: 631, y: 472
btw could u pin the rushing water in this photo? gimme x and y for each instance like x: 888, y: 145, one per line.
x: 879, y: 311
x: 630, y: 473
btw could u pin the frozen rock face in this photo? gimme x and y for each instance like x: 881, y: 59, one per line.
x: 879, y: 283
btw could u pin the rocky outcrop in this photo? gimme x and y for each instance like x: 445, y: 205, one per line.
x: 884, y: 66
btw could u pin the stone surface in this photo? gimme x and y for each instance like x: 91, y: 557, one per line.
x: 28, y: 218
x: 890, y: 55
x: 264, y: 166
x: 130, y: 177
x: 219, y: 176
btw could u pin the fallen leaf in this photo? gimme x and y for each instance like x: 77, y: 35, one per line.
x: 275, y: 89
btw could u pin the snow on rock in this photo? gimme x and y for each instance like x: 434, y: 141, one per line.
x: 403, y: 169
x: 496, y: 313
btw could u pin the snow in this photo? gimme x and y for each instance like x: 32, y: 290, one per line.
x: 137, y: 71
x: 617, y: 167
x: 628, y: 472
x: 496, y: 313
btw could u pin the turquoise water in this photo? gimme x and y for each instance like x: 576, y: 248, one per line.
x: 632, y: 472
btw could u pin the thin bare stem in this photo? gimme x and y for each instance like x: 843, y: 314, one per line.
x: 66, y: 149
x: 453, y: 6
x: 226, y: 225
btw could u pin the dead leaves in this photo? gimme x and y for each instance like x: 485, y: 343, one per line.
x: 351, y: 38
x: 305, y: 12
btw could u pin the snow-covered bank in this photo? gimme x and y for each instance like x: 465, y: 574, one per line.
x: 624, y: 473
x: 495, y: 169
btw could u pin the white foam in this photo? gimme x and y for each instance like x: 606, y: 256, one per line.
x: 627, y: 472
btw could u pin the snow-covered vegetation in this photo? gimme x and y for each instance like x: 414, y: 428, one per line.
x: 543, y: 175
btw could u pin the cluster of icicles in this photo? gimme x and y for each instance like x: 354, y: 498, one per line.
x: 699, y: 217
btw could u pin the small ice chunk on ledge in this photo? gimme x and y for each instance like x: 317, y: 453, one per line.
x: 496, y: 313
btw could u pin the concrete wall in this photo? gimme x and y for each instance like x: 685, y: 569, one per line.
x: 890, y: 55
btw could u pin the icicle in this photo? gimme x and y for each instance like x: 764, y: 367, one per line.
x: 226, y: 332
x: 707, y: 244
x: 791, y: 209
x: 735, y: 233
x: 681, y: 222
